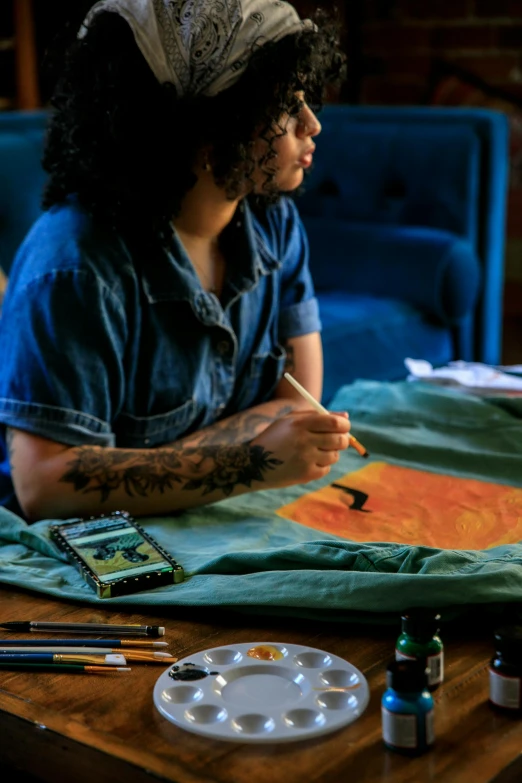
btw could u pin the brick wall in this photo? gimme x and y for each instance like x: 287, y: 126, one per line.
x: 400, y: 39
x: 400, y: 42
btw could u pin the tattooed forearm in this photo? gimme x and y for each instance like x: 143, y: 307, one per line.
x: 207, y: 468
x: 238, y: 429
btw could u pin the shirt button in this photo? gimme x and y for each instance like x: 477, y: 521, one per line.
x: 221, y: 408
x: 223, y: 347
x: 206, y: 307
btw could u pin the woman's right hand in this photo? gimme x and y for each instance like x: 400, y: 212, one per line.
x: 306, y: 443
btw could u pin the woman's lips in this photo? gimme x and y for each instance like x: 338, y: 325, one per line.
x: 306, y: 160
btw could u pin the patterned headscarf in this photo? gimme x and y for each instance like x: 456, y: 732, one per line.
x: 201, y: 46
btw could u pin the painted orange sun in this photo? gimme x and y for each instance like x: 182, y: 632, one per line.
x: 382, y: 502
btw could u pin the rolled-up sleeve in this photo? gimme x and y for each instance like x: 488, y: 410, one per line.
x: 299, y: 309
x: 61, y: 357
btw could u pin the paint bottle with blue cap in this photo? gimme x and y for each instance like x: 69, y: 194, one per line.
x: 407, y: 709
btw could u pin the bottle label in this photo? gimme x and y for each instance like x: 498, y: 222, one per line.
x: 399, y: 656
x: 399, y: 730
x: 504, y: 691
x: 434, y: 665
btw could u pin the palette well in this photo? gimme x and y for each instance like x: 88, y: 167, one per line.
x: 261, y: 692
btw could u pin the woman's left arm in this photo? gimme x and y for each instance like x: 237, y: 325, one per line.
x: 304, y: 361
x: 299, y: 319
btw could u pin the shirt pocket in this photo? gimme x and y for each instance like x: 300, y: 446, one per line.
x: 143, y: 432
x: 266, y: 369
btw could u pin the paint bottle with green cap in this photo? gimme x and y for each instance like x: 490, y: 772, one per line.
x: 420, y: 641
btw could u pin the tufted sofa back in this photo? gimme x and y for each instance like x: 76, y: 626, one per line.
x: 393, y: 175
x: 412, y: 169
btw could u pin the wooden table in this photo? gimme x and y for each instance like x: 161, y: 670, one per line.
x: 105, y: 729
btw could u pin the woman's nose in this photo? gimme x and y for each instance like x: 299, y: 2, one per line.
x: 308, y: 124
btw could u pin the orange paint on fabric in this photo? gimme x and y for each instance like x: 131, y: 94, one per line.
x: 383, y: 502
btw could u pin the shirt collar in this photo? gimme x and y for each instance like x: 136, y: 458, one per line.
x: 170, y: 276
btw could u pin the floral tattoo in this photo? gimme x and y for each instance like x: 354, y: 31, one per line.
x: 238, y: 429
x: 216, y: 459
x: 207, y: 468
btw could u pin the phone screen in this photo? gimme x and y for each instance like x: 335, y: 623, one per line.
x: 113, y: 548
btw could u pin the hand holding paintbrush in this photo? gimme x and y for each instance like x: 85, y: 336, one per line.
x: 300, y: 445
x: 319, y: 408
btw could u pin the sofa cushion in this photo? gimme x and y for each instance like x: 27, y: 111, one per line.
x: 434, y: 270
x: 369, y: 337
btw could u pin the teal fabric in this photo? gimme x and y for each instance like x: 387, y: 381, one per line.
x: 241, y: 554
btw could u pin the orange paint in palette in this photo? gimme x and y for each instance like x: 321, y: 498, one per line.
x: 265, y: 652
x: 383, y: 502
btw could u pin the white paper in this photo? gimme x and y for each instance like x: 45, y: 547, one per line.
x: 471, y: 376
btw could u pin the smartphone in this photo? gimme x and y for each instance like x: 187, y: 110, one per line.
x: 115, y: 555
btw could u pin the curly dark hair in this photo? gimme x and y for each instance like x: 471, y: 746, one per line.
x: 126, y: 145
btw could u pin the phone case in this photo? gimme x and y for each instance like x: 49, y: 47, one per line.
x: 115, y: 555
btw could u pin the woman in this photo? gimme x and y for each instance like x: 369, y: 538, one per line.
x: 151, y: 309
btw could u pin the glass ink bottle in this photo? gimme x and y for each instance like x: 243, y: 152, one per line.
x: 419, y: 641
x: 505, y: 670
x: 407, y: 709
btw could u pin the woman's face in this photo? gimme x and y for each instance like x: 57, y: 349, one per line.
x: 294, y: 147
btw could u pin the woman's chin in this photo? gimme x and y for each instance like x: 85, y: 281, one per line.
x: 291, y: 181
x: 283, y: 183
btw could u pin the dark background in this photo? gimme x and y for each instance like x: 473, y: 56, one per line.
x: 392, y: 45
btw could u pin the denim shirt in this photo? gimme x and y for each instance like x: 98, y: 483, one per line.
x: 101, y: 344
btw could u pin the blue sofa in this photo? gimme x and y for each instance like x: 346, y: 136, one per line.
x: 405, y: 213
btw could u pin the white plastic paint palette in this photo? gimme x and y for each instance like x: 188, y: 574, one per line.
x: 261, y: 692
